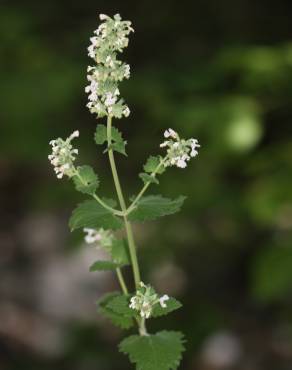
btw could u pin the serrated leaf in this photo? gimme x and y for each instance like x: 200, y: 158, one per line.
x: 103, y: 266
x: 118, y: 143
x: 88, y: 181
x: 92, y: 215
x: 120, y: 305
x: 120, y: 146
x: 154, y: 206
x: 120, y: 252
x: 122, y: 321
x: 152, y: 163
x: 161, y: 351
x: 148, y: 178
x: 171, y: 305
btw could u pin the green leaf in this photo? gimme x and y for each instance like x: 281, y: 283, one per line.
x: 154, y: 206
x: 152, y: 163
x: 120, y: 252
x: 161, y: 351
x: 88, y: 181
x: 120, y: 320
x: 91, y: 214
x: 118, y: 143
x: 148, y: 178
x: 120, y: 146
x: 171, y: 305
x: 103, y: 266
x: 100, y: 134
x: 120, y: 305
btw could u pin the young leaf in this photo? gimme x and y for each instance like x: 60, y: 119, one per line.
x: 154, y: 206
x: 122, y: 321
x: 118, y: 144
x: 119, y: 252
x: 161, y: 351
x: 100, y: 134
x: 152, y: 163
x: 148, y: 178
x: 103, y: 266
x: 88, y: 182
x: 171, y: 305
x: 120, y: 305
x: 91, y: 214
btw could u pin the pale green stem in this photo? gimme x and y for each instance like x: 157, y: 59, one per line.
x: 145, y: 187
x: 96, y: 197
x: 142, y: 327
x: 129, y: 232
x: 122, y: 281
x: 100, y: 201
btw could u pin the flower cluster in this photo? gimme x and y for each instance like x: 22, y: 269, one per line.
x: 110, y: 38
x: 63, y: 155
x: 179, y: 151
x: 145, y: 300
x: 104, y: 238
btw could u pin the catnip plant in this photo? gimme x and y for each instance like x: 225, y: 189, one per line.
x: 100, y: 217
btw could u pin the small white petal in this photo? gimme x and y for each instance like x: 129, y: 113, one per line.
x: 162, y: 300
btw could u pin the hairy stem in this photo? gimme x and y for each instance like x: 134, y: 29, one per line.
x: 128, y: 227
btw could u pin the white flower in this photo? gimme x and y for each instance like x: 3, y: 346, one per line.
x: 91, y: 51
x: 164, y: 144
x: 74, y: 134
x: 170, y: 133
x: 92, y: 236
x: 103, y: 17
x: 163, y: 299
x: 194, y: 145
x: 63, y: 155
x: 109, y: 39
x: 126, y: 112
x: 133, y: 303
x: 110, y: 99
x: 181, y: 163
x: 179, y: 151
x: 146, y: 299
x: 127, y: 71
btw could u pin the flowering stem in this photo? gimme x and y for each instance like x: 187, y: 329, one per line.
x: 129, y: 232
x: 122, y: 281
x: 145, y: 187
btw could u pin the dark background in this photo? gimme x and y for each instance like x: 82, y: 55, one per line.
x: 219, y: 71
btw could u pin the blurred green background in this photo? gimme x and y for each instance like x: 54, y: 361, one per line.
x: 219, y: 71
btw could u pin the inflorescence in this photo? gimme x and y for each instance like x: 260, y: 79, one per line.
x: 179, y: 151
x: 146, y: 299
x: 103, y: 238
x: 63, y: 155
x: 110, y: 38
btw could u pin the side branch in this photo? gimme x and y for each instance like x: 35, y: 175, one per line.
x: 145, y: 187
